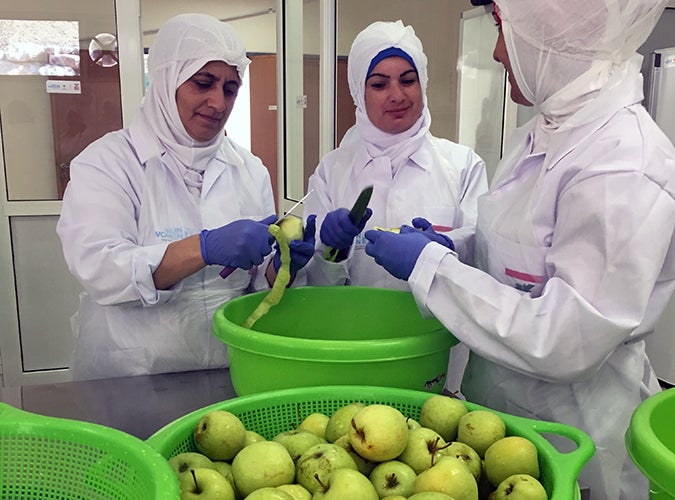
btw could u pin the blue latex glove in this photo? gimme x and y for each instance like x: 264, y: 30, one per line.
x: 243, y: 243
x: 338, y: 231
x: 397, y: 253
x: 301, y: 251
x: 425, y: 226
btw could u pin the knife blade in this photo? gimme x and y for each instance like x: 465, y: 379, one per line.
x: 356, y: 214
x: 227, y: 270
x: 294, y: 207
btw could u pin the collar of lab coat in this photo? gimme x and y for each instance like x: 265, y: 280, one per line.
x: 422, y: 157
x: 148, y: 147
x: 625, y: 93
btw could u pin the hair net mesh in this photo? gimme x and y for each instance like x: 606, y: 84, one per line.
x: 574, y: 45
x: 196, y: 39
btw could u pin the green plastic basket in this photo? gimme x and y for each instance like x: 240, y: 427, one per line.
x: 650, y: 441
x: 334, y: 336
x: 61, y: 459
x: 273, y: 412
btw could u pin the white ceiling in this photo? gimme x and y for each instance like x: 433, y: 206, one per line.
x: 154, y: 13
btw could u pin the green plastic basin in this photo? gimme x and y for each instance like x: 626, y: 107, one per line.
x: 650, y: 441
x: 272, y: 412
x: 334, y: 336
x: 62, y: 459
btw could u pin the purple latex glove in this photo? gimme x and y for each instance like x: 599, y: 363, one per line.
x: 241, y: 244
x: 337, y: 229
x: 397, y: 253
x: 301, y: 251
x: 427, y: 229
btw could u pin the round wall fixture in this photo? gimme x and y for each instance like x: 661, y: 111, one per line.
x: 103, y: 50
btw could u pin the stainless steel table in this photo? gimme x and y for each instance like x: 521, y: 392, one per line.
x: 136, y: 405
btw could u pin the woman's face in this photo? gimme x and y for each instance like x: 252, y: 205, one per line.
x: 206, y: 99
x: 501, y: 56
x: 393, y: 95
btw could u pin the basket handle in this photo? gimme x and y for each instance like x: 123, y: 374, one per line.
x: 570, y: 463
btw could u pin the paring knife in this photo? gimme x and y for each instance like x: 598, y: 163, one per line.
x: 226, y: 271
x: 355, y: 215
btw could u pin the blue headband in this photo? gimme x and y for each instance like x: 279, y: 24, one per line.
x: 390, y: 52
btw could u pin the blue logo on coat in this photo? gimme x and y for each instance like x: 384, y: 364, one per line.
x: 173, y: 233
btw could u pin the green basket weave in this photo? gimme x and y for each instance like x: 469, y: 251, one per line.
x: 61, y: 459
x: 269, y: 413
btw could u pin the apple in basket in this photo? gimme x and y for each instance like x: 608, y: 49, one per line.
x: 393, y: 478
x: 297, y: 492
x: 378, y: 432
x: 468, y: 455
x: 315, y: 423
x: 429, y: 495
x: 519, y: 487
x: 450, y: 476
x: 341, y: 420
x: 183, y: 462
x: 317, y: 463
x: 262, y: 464
x: 479, y: 429
x: 363, y: 465
x: 344, y: 484
x: 219, y: 435
x: 205, y: 484
x: 269, y: 493
x: 297, y: 441
x: 511, y: 455
x: 252, y: 437
x: 442, y: 413
x: 423, y: 449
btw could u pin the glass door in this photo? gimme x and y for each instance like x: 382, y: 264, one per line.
x: 60, y: 89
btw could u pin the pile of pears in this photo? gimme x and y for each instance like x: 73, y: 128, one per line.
x: 363, y: 451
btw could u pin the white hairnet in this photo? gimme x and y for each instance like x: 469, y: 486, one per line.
x: 378, y: 36
x: 564, y: 52
x: 191, y: 40
x: 183, y: 45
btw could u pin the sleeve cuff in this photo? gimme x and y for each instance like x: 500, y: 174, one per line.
x: 423, y: 274
x: 144, y: 264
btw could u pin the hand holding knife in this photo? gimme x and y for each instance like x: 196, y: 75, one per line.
x: 356, y: 214
x: 226, y: 271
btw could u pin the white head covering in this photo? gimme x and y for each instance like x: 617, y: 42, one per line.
x: 380, y: 35
x: 564, y: 53
x: 183, y: 45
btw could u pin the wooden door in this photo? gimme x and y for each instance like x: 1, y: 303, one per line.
x: 263, y: 88
x: 263, y: 84
x: 79, y: 119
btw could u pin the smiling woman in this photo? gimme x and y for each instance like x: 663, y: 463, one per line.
x: 393, y: 96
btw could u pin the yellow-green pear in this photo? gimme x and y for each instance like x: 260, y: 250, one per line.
x: 292, y: 227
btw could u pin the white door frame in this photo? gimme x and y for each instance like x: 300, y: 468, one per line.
x: 131, y: 88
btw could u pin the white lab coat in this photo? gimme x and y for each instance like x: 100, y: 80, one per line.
x: 576, y: 260
x: 122, y: 208
x: 440, y: 182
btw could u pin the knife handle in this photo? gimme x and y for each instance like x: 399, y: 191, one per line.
x: 226, y: 271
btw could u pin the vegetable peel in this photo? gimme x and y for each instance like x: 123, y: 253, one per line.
x: 280, y: 283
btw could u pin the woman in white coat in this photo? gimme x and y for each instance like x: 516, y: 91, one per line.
x: 153, y: 212
x: 575, y: 239
x: 413, y: 173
